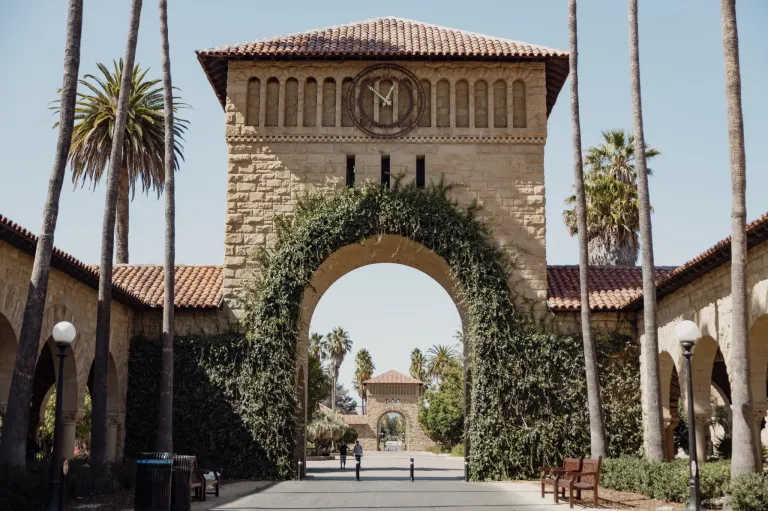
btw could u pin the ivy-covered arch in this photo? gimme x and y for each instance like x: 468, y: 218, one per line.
x: 521, y: 414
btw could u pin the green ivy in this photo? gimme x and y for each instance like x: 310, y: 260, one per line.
x: 235, y: 400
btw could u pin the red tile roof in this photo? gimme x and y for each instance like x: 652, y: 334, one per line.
x: 610, y: 288
x: 355, y: 419
x: 135, y: 285
x: 717, y: 255
x: 194, y: 286
x: 387, y: 36
x: 384, y: 38
x: 393, y: 377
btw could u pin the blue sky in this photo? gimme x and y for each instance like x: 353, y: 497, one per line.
x: 683, y: 99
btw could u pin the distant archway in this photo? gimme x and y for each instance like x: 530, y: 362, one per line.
x: 391, y: 432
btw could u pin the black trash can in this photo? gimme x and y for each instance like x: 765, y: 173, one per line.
x: 153, y: 481
x: 181, y: 492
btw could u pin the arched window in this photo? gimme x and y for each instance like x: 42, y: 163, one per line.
x: 253, y: 101
x: 329, y: 102
x: 500, y: 104
x: 443, y: 104
x: 426, y: 118
x: 273, y: 102
x: 310, y: 102
x: 291, y: 117
x: 346, y: 84
x: 406, y: 99
x: 462, y: 104
x: 481, y: 104
x: 519, y: 114
x: 385, y: 111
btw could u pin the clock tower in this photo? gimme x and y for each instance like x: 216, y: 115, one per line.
x: 386, y: 97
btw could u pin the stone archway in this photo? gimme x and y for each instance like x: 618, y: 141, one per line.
x: 8, y: 346
x: 114, y: 407
x: 758, y: 353
x: 381, y: 249
x: 381, y: 440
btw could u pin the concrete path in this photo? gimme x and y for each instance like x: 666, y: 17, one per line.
x: 385, y: 486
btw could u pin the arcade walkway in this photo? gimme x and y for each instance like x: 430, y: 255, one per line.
x: 385, y: 486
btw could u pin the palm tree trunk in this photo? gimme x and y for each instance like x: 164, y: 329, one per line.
x: 103, y: 314
x: 655, y: 416
x: 744, y: 458
x: 122, y: 227
x: 596, y: 422
x: 13, y: 443
x: 165, y: 417
x: 335, y: 381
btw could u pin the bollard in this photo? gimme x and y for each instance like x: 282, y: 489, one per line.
x: 466, y: 471
x: 411, y: 469
x: 301, y: 470
x: 357, y: 469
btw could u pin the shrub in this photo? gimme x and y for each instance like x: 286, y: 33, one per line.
x: 749, y: 492
x: 458, y: 450
x: 664, y: 480
x: 434, y: 449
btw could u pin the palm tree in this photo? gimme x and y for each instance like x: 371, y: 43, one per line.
x: 363, y: 371
x: 165, y: 417
x: 103, y: 311
x: 337, y: 345
x: 610, y: 190
x: 617, y: 156
x: 439, y: 359
x: 13, y: 445
x: 655, y: 415
x: 316, y: 346
x: 596, y: 422
x: 613, y: 222
x: 746, y: 454
x: 143, y: 153
x: 418, y: 367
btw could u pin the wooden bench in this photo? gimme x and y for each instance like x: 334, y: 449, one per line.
x: 212, y: 479
x: 551, y: 475
x: 588, y: 478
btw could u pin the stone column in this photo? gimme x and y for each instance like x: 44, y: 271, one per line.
x: 112, y: 422
x: 669, y: 438
x: 69, y: 431
x: 758, y: 416
x: 702, y: 431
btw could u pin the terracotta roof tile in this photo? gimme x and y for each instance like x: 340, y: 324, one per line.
x: 387, y: 38
x: 393, y: 377
x: 136, y: 284
x: 355, y: 419
x: 610, y: 288
x: 194, y: 286
x: 717, y: 255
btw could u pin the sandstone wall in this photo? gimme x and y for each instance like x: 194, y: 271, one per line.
x: 707, y: 302
x: 269, y: 166
x: 68, y: 299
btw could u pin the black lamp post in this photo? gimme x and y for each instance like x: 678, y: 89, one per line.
x: 63, y: 333
x: 688, y: 333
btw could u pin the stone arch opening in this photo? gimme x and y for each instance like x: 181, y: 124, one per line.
x: 44, y: 386
x: 392, y: 431
x: 670, y: 399
x: 382, y: 249
x: 114, y: 406
x: 8, y: 346
x: 758, y: 353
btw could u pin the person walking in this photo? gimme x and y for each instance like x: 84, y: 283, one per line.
x: 343, y: 455
x: 358, y: 451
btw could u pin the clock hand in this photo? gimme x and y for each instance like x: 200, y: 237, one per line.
x: 385, y: 100
x: 389, y: 94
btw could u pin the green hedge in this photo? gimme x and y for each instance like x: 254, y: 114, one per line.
x: 749, y: 492
x: 665, y: 480
x: 235, y: 402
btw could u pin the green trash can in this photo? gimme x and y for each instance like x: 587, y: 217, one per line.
x: 153, y: 481
x: 181, y: 491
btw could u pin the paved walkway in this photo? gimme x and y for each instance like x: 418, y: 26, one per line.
x: 385, y: 486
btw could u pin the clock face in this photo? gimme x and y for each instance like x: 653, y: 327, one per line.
x: 385, y: 101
